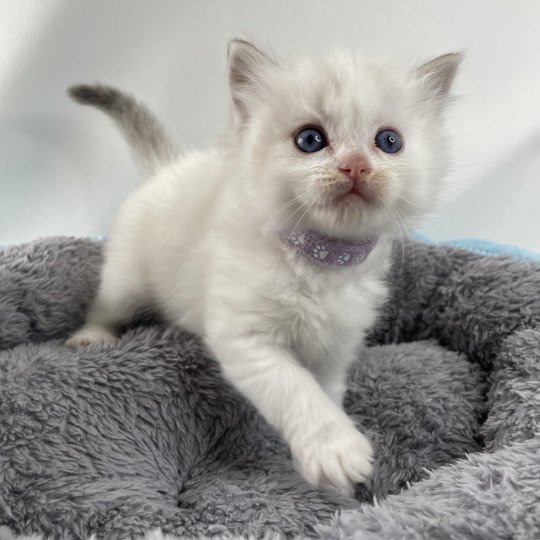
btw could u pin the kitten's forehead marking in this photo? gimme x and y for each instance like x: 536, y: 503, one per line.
x: 349, y: 97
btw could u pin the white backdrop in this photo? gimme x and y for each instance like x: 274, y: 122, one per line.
x: 65, y: 170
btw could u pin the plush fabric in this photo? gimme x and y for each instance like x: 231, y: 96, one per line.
x: 144, y: 437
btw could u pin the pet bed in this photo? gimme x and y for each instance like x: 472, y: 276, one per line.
x: 145, y: 435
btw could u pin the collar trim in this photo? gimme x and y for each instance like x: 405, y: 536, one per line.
x: 328, y: 251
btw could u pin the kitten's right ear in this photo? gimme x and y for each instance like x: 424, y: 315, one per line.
x: 246, y: 66
x: 438, y: 74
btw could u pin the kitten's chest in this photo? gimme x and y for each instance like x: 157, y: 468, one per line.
x: 327, y: 320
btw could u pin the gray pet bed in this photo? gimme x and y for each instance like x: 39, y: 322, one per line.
x: 144, y: 434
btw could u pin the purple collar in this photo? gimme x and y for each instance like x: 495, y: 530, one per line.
x: 328, y: 251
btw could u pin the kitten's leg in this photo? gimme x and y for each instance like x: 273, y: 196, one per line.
x: 336, y: 386
x: 118, y: 297
x: 325, y: 444
x: 332, y: 376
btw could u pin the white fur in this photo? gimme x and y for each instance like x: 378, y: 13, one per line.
x: 200, y: 240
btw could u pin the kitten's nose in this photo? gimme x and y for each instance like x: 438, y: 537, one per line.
x: 355, y: 166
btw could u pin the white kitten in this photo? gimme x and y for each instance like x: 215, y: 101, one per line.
x: 274, y: 245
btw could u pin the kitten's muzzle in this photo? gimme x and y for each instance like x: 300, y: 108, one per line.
x: 356, y: 168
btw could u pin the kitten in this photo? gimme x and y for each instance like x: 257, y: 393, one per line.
x: 274, y: 245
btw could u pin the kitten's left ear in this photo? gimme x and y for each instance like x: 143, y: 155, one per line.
x: 438, y: 74
x: 246, y: 66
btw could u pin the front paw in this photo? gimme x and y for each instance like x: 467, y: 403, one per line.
x: 337, y: 455
x: 90, y: 334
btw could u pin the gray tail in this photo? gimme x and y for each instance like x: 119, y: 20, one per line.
x: 150, y: 144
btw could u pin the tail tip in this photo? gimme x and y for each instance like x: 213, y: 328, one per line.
x: 88, y: 94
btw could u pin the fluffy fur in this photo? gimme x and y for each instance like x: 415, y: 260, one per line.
x: 200, y: 239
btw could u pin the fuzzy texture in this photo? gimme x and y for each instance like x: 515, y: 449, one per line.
x: 144, y: 434
x: 202, y: 239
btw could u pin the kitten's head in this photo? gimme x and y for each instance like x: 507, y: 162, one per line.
x: 341, y: 145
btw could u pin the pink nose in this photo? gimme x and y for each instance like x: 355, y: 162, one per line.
x: 355, y: 166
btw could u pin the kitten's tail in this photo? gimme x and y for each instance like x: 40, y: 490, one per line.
x: 150, y: 144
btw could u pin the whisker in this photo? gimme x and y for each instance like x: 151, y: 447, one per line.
x: 313, y: 213
x: 290, y: 202
x: 407, y: 230
x: 300, y: 219
x: 293, y: 214
x: 389, y: 210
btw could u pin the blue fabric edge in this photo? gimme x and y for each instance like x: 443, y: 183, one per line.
x: 476, y: 245
x: 482, y: 247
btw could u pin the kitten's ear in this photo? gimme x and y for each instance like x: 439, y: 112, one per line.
x: 246, y: 65
x: 438, y: 74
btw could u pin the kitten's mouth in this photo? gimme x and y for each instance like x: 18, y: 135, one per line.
x: 352, y: 196
x: 353, y: 193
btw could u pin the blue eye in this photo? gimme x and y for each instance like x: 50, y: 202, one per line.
x: 310, y: 140
x: 388, y: 141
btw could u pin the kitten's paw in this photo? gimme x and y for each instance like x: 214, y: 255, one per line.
x: 90, y: 334
x: 338, y: 455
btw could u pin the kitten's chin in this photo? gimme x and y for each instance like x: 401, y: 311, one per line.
x: 352, y: 218
x: 349, y: 216
x: 351, y: 198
